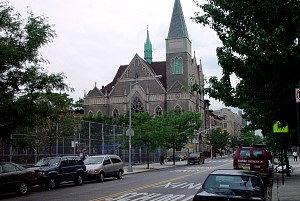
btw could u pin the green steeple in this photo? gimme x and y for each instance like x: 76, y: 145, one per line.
x: 148, y: 49
x: 177, y: 27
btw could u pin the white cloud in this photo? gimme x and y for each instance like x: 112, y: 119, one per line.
x: 95, y: 37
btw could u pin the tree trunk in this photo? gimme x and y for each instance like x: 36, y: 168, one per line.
x: 288, y: 172
x: 148, y: 158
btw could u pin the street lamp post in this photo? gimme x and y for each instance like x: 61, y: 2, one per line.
x: 130, y: 131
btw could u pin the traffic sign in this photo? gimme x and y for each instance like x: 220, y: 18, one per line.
x: 130, y: 132
x: 278, y: 129
x: 297, y: 95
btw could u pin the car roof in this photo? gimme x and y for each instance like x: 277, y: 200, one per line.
x: 234, y: 172
x: 110, y: 155
x: 62, y: 157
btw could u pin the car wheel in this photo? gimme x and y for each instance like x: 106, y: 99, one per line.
x: 100, y: 177
x: 23, y: 188
x: 79, y: 179
x: 51, y: 184
x: 119, y: 176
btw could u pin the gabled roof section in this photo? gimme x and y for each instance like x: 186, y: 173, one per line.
x: 158, y: 68
x: 95, y: 92
x: 177, y: 27
x: 109, y: 87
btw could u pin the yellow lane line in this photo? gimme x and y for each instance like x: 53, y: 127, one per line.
x: 152, y: 185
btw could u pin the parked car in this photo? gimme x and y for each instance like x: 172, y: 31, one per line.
x: 232, y: 185
x: 178, y: 157
x: 15, y: 178
x: 51, y: 171
x: 104, y: 166
x: 196, y: 157
x: 255, y: 158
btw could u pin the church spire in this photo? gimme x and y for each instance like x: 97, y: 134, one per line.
x: 177, y: 27
x: 148, y: 49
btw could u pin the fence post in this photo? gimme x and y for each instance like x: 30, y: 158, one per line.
x: 114, y: 135
x: 102, y: 136
x: 10, y: 150
x: 89, y: 138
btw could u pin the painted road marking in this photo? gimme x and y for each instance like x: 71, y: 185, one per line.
x: 119, y: 194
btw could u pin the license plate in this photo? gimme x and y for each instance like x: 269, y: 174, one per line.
x: 256, y: 166
x: 246, y: 167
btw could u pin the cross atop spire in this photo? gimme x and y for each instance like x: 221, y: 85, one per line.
x: 177, y: 27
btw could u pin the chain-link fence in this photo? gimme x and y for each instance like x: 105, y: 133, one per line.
x: 90, y: 139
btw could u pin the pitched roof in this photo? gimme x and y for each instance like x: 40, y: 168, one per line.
x: 109, y: 87
x: 177, y: 27
x: 159, y: 68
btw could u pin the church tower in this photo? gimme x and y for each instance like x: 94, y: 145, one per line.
x: 178, y: 53
x: 178, y: 50
x: 148, y: 49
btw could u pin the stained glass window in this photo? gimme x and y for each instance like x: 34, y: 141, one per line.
x: 137, y: 105
x: 115, y: 113
x: 158, y: 111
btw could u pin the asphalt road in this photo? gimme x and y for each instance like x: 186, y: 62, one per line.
x: 177, y: 183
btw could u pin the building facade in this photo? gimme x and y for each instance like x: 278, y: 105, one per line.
x: 232, y: 122
x: 145, y: 85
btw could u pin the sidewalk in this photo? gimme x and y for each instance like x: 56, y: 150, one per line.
x: 290, y: 191
x: 158, y: 166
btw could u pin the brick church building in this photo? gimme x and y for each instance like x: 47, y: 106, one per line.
x: 153, y: 86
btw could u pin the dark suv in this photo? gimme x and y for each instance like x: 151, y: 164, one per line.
x: 51, y: 171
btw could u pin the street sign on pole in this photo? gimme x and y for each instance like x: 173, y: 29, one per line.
x: 278, y: 129
x: 297, y: 95
x: 129, y: 132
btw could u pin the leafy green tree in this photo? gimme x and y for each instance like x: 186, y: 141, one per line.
x: 177, y: 128
x: 53, y: 118
x: 146, y: 133
x: 173, y: 129
x: 248, y: 138
x: 22, y: 78
x: 261, y: 48
x: 218, y: 139
x: 233, y: 142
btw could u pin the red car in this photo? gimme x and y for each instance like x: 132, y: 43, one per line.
x: 255, y: 158
x: 196, y: 157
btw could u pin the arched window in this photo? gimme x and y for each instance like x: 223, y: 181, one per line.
x: 176, y: 65
x: 137, y: 105
x: 178, y: 108
x: 99, y: 114
x: 180, y: 66
x: 90, y: 114
x: 158, y: 111
x: 116, y: 113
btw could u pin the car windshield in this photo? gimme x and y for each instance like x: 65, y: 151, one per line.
x: 93, y: 160
x: 194, y: 154
x: 47, y: 162
x: 233, y: 184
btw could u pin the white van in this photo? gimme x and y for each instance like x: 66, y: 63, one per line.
x: 104, y: 166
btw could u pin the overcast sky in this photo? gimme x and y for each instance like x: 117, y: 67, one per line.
x: 95, y: 37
